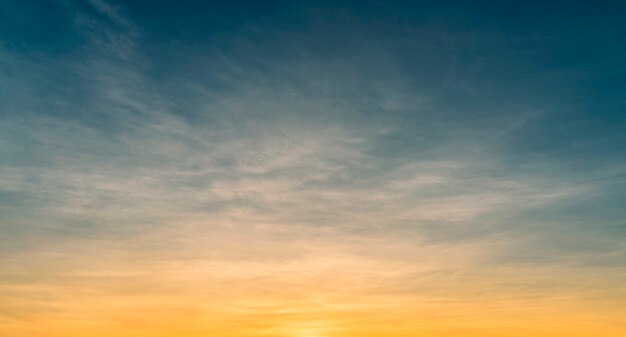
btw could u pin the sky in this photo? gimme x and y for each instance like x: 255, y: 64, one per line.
x: 312, y: 168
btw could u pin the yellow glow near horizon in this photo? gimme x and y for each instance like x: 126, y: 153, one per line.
x: 329, y: 290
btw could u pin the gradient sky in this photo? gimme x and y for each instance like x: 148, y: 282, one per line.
x: 312, y: 168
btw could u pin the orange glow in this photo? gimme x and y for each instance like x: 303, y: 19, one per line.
x: 327, y: 291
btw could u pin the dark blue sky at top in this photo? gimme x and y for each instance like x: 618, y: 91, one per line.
x: 571, y: 50
x: 564, y: 56
x: 528, y: 92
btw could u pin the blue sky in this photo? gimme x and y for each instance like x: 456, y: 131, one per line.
x: 453, y: 139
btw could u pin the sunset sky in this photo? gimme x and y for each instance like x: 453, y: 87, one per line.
x: 312, y: 168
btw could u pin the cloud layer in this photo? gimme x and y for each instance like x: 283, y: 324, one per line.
x: 353, y: 177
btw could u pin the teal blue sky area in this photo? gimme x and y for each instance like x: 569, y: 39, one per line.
x: 118, y: 116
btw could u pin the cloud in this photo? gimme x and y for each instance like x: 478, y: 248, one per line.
x: 112, y: 13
